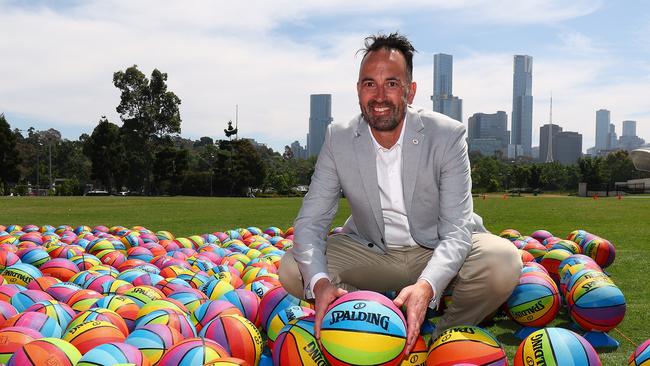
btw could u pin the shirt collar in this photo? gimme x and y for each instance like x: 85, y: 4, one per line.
x: 376, y: 144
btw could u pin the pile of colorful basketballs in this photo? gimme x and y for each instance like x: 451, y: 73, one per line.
x: 105, y: 296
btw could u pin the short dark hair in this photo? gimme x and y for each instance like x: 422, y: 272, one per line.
x: 393, y: 41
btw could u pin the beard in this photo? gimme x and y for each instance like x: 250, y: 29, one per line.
x: 386, y: 122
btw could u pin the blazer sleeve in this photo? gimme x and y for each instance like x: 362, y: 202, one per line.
x: 316, y: 214
x: 454, y: 221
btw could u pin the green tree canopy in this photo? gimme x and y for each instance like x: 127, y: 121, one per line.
x: 9, y: 159
x: 150, y: 113
x: 105, y: 150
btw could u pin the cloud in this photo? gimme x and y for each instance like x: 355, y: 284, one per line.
x: 267, y: 57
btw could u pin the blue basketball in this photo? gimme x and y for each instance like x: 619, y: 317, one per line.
x: 555, y: 346
x: 113, y: 353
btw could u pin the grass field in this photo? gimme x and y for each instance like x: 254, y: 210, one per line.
x: 624, y: 222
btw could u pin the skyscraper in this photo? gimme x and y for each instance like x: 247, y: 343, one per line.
x: 488, y: 133
x: 522, y: 103
x: 602, y: 129
x: 612, y: 138
x: 320, y: 116
x: 567, y: 147
x: 443, y: 99
x: 629, y: 128
x: 629, y: 140
x: 544, y: 141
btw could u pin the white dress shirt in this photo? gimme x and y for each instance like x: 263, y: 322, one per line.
x: 391, y: 193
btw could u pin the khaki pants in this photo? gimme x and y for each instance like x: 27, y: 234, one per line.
x: 484, y: 282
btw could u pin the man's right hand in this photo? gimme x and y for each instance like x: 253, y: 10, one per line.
x: 324, y: 294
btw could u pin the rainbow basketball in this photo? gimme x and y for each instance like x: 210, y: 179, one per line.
x: 469, y: 345
x: 193, y: 351
x: 56, y: 310
x: 640, y: 356
x: 246, y: 301
x: 535, y: 301
x: 274, y: 301
x: 21, y: 273
x: 237, y: 335
x: 551, y: 261
x: 174, y: 319
x: 363, y: 328
x: 90, y: 334
x: 418, y: 355
x: 122, y: 305
x: 12, y: 338
x: 24, y: 299
x: 283, y: 318
x: 40, y: 322
x: 596, y: 304
x: 113, y: 353
x: 45, y: 351
x: 555, y: 346
x: 154, y: 340
x: 60, y: 268
x: 296, y: 345
x: 209, y: 310
x: 227, y: 361
x: 601, y: 250
x: 100, y: 314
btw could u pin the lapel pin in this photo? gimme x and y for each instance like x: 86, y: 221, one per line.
x: 415, y: 141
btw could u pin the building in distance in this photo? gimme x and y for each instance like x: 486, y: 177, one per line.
x: 566, y: 146
x: 443, y: 98
x: 488, y: 133
x: 320, y: 116
x: 522, y: 106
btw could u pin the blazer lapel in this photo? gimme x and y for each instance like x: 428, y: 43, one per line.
x: 412, y: 147
x: 366, y: 161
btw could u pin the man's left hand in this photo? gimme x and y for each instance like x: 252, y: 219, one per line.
x: 416, y: 298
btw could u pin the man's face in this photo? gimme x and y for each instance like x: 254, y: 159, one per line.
x: 384, y: 89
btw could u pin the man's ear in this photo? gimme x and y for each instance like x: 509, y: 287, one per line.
x: 411, y: 94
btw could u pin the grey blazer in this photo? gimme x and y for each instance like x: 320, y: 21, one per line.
x: 437, y: 195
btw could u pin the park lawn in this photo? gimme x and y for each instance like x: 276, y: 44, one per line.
x: 624, y: 222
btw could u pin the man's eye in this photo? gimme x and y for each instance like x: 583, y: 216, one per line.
x: 391, y: 84
x: 369, y: 84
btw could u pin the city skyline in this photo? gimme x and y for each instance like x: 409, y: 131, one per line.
x: 61, y: 57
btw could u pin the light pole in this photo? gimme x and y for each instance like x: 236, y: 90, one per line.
x: 229, y: 132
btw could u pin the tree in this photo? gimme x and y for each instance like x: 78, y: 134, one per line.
x: 9, y: 172
x: 288, y: 153
x: 105, y: 150
x: 149, y: 112
x: 591, y: 171
x: 169, y: 167
x: 239, y: 167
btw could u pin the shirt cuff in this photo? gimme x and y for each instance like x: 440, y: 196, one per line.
x: 433, y: 304
x: 309, y: 293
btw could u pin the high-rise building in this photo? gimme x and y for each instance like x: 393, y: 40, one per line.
x: 629, y: 128
x: 522, y: 103
x: 612, y: 138
x: 443, y: 99
x: 488, y: 133
x: 320, y: 116
x: 567, y: 147
x: 299, y: 152
x: 602, y: 129
x: 544, y: 141
x: 629, y: 140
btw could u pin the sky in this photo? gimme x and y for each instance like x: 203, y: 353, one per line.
x: 57, y: 59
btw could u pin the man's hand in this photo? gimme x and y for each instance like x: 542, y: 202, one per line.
x: 416, y: 298
x: 324, y: 294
